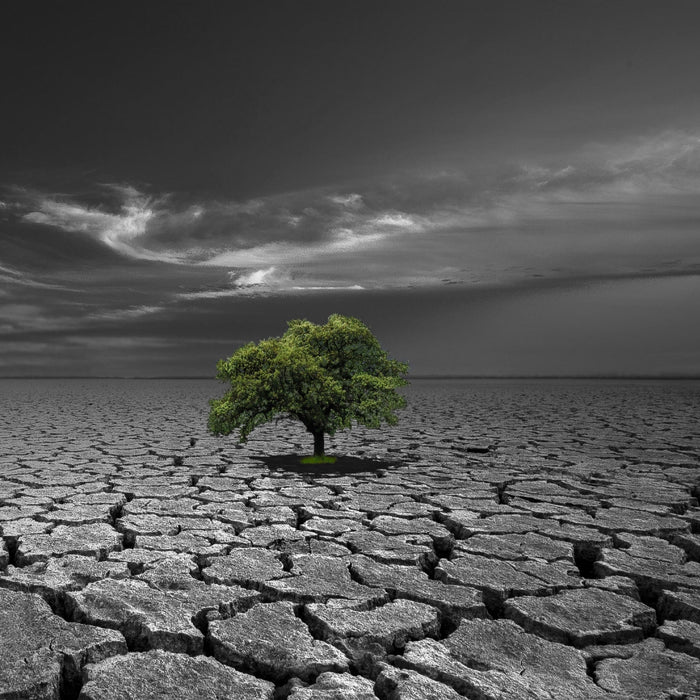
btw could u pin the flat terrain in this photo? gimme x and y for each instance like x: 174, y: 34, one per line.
x: 509, y: 539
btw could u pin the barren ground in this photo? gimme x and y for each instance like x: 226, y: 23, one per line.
x: 506, y: 540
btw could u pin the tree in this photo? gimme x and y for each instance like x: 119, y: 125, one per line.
x: 327, y: 376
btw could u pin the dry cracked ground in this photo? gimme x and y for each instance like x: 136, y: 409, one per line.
x: 503, y: 542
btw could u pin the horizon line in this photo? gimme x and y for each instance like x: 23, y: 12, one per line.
x: 410, y: 377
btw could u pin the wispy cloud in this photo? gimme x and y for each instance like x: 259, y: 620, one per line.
x: 47, y: 316
x: 255, y: 278
x: 603, y: 208
x: 18, y: 317
x: 330, y: 287
x: 111, y: 342
x: 264, y: 282
x: 20, y: 347
x: 663, y: 165
x: 121, y: 231
x: 186, y: 266
x: 12, y: 276
x: 124, y: 314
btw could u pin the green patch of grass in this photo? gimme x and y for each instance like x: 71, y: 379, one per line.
x: 318, y: 459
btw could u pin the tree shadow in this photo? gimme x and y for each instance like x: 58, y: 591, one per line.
x: 342, y: 465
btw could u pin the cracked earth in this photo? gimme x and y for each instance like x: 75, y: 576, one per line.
x: 506, y: 540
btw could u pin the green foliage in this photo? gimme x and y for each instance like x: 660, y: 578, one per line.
x: 327, y: 376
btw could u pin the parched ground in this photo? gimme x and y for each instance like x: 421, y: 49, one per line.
x: 507, y: 540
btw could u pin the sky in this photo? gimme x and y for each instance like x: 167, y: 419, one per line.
x: 495, y: 187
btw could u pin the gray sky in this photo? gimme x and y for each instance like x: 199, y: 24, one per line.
x: 494, y: 187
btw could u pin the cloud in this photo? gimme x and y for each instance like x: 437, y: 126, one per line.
x: 338, y: 241
x: 665, y: 164
x: 102, y: 343
x: 264, y: 282
x: 629, y: 209
x: 119, y: 230
x: 330, y: 287
x: 208, y: 294
x: 51, y: 316
x: 604, y: 208
x: 349, y: 201
x: 14, y: 312
x: 243, y: 282
x: 290, y: 228
x: 18, y: 317
x: 125, y: 314
x: 396, y: 219
x: 12, y: 276
x: 257, y: 277
x: 21, y: 347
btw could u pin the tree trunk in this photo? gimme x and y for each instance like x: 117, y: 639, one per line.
x: 319, y: 444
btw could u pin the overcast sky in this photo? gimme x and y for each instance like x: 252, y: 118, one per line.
x: 494, y: 187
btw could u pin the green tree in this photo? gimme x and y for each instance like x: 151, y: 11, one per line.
x: 327, y: 376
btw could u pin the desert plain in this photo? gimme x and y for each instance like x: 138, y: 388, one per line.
x: 508, y: 539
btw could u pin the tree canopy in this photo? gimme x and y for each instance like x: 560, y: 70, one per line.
x: 327, y: 376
